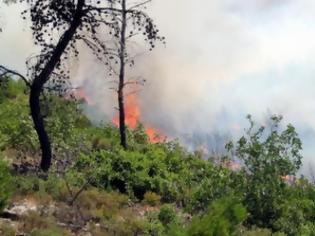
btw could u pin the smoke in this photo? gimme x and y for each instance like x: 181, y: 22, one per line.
x: 224, y: 59
x: 227, y: 59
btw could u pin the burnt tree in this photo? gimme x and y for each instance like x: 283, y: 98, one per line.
x: 130, y: 21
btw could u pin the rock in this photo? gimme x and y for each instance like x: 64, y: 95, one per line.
x: 18, y: 210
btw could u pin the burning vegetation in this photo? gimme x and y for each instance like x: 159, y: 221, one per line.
x: 133, y: 119
x: 163, y: 188
x: 101, y: 182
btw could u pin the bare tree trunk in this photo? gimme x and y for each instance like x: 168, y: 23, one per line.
x: 42, y: 78
x: 122, y: 123
x: 40, y: 128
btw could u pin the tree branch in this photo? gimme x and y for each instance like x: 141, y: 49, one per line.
x: 5, y: 72
x: 139, y: 4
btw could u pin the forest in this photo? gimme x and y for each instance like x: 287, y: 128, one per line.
x: 61, y: 173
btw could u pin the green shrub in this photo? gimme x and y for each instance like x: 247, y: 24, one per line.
x: 152, y: 199
x: 215, y: 183
x: 35, y: 224
x: 261, y: 232
x: 268, y: 155
x: 155, y: 227
x: 66, y: 125
x: 16, y: 129
x: 65, y: 122
x: 16, y: 126
x: 26, y: 184
x: 307, y: 229
x: 167, y: 214
x: 129, y: 226
x: 296, y: 216
x: 164, y: 172
x: 11, y: 89
x: 6, y: 229
x: 48, y: 232
x: 51, y: 188
x: 223, y: 218
x: 5, y: 183
x: 164, y: 169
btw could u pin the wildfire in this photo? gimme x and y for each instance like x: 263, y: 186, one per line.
x: 132, y: 113
x: 132, y: 118
x: 154, y: 135
x: 289, y: 179
x: 81, y: 94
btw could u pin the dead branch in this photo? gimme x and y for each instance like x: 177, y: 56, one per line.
x: 4, y: 71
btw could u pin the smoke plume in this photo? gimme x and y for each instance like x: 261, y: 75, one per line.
x: 223, y: 59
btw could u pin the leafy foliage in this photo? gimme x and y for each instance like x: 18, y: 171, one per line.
x: 5, y: 183
x: 167, y: 214
x: 268, y: 159
x: 151, y: 198
x: 186, y: 194
x: 223, y: 218
x: 16, y: 129
x: 165, y: 169
x: 65, y: 123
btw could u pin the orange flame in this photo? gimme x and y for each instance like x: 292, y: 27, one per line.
x: 132, y: 113
x: 154, y: 135
x: 80, y: 94
x: 289, y: 179
x: 132, y: 119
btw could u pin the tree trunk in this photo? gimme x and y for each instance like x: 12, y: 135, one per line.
x: 40, y: 128
x: 122, y: 123
x: 42, y: 78
x: 121, y: 106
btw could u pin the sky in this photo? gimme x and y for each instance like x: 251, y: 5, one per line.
x: 223, y: 59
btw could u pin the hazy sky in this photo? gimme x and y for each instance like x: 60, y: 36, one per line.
x: 223, y: 60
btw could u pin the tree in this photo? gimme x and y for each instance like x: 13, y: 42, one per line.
x: 129, y: 21
x: 269, y: 158
x: 75, y: 21
x: 64, y: 12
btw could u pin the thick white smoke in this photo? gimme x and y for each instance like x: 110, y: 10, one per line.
x: 223, y: 60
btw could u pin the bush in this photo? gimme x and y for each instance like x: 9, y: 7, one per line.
x: 223, y: 218
x: 11, y: 89
x: 156, y: 228
x: 152, y: 199
x: 214, y: 182
x: 268, y: 156
x: 164, y: 169
x: 129, y: 226
x: 128, y: 172
x: 66, y: 125
x: 52, y: 188
x: 100, y: 204
x: 65, y: 122
x: 35, y: 224
x: 16, y: 126
x: 5, y: 184
x: 167, y: 214
x: 164, y: 172
x: 296, y: 216
x: 6, y: 229
x: 261, y: 232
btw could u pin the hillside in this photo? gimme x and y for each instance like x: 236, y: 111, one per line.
x: 97, y: 188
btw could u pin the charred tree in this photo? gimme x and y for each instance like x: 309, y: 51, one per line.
x: 129, y: 22
x: 122, y: 51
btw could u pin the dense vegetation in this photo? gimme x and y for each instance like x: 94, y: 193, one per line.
x: 97, y: 186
